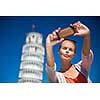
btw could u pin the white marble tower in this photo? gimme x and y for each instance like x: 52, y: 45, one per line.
x: 32, y: 59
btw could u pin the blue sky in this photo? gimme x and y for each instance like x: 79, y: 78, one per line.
x: 13, y: 31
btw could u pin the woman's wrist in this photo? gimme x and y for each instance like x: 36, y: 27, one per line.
x: 87, y: 36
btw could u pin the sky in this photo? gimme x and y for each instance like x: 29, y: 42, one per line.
x: 13, y: 31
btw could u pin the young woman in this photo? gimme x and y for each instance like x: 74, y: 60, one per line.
x: 69, y: 73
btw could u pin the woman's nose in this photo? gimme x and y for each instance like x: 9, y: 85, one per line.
x: 67, y: 50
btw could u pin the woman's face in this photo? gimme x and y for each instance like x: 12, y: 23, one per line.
x: 67, y: 50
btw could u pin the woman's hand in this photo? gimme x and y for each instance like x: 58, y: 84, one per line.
x: 81, y: 29
x: 52, y: 38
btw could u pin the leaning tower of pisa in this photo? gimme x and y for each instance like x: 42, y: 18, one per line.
x: 32, y: 59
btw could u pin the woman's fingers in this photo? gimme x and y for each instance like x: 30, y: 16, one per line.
x: 56, y: 32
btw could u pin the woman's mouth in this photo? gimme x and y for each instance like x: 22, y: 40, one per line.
x: 66, y: 55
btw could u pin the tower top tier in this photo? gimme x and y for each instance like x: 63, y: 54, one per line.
x: 34, y: 37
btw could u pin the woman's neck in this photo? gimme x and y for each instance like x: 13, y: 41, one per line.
x: 65, y: 66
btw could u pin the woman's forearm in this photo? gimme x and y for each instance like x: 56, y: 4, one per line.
x: 86, y: 45
x: 49, y: 55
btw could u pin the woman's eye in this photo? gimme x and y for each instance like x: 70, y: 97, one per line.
x: 70, y: 49
x: 64, y: 48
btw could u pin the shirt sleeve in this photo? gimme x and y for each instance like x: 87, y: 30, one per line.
x: 51, y: 72
x: 87, y: 60
x: 85, y: 63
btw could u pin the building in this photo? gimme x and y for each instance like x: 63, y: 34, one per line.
x: 32, y: 59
